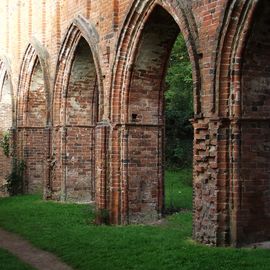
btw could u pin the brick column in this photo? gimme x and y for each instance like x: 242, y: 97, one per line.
x: 205, y: 218
x: 47, y: 190
x: 101, y: 185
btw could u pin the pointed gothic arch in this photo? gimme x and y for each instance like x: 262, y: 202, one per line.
x: 132, y: 121
x: 242, y: 98
x: 127, y: 41
x: 35, y: 57
x: 7, y: 117
x: 79, y: 29
x: 77, y: 108
x: 6, y: 73
x: 33, y: 115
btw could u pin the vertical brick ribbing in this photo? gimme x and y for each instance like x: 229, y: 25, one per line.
x: 19, y: 23
x: 101, y: 135
x: 30, y: 18
x: 43, y: 21
x: 116, y: 15
x: 7, y: 27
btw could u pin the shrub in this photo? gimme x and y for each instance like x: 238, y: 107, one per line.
x: 15, y: 178
x: 5, y: 144
x: 179, y: 108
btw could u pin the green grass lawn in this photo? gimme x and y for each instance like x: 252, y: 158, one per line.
x: 9, y: 262
x: 67, y: 231
x: 178, y: 190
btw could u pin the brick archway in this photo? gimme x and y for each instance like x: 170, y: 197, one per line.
x: 128, y: 38
x: 77, y: 109
x: 227, y: 43
x: 33, y: 98
x: 242, y: 106
x: 250, y: 160
x: 132, y: 197
x: 6, y: 118
x: 6, y: 74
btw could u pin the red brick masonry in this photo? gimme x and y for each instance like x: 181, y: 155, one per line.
x: 82, y: 86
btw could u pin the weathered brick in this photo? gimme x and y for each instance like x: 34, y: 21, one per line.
x: 85, y: 104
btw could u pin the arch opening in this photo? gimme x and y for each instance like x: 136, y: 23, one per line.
x: 82, y: 94
x: 254, y: 182
x: 6, y: 104
x: 143, y: 152
x: 32, y: 130
x: 6, y: 116
x: 79, y: 117
x: 178, y: 136
x: 36, y: 99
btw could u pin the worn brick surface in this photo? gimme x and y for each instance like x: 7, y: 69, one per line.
x: 6, y: 123
x: 87, y: 81
x: 254, y: 185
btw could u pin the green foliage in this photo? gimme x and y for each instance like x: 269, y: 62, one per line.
x: 15, y: 178
x: 5, y: 144
x: 179, y: 107
x: 178, y: 190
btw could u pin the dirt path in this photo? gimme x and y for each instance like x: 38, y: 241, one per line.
x: 265, y: 245
x: 33, y: 256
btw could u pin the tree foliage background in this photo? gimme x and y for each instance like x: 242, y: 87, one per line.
x: 179, y: 108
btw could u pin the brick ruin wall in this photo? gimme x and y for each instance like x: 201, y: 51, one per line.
x: 6, y: 123
x: 87, y: 106
x: 255, y: 133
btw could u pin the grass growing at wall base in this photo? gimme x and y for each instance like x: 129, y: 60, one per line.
x: 67, y: 231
